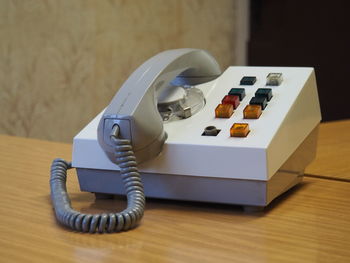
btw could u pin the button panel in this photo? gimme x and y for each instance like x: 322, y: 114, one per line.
x: 253, y: 110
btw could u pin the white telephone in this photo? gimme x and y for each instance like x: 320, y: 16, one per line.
x: 241, y: 137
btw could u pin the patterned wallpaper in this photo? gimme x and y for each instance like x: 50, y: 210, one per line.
x: 61, y: 62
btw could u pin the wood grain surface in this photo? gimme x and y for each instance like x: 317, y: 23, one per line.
x: 310, y: 223
x: 333, y: 151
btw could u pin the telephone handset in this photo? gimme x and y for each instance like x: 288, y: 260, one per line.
x: 131, y: 128
x: 134, y: 107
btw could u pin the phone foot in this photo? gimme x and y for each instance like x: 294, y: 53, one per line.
x: 252, y: 208
x: 101, y: 196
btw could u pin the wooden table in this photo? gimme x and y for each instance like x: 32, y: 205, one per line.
x: 311, y: 223
x: 333, y: 153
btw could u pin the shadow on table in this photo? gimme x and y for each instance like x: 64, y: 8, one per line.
x: 86, y: 203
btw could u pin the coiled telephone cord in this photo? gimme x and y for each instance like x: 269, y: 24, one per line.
x: 102, y: 223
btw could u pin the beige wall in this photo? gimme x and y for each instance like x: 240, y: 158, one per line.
x: 62, y: 61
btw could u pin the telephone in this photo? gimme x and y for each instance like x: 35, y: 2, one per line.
x: 242, y: 137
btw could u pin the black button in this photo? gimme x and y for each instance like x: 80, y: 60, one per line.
x: 210, y: 131
x: 267, y: 93
x: 248, y: 80
x: 238, y: 92
x: 259, y: 101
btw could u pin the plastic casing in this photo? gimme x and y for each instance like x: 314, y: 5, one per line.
x: 288, y: 119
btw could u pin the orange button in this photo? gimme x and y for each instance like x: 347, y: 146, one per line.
x: 252, y: 112
x: 239, y: 130
x: 224, y: 111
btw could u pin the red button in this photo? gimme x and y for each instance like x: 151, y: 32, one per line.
x: 231, y: 99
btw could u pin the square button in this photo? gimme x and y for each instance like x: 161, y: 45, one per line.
x: 252, y: 112
x: 231, y: 99
x: 247, y: 80
x: 239, y: 130
x: 259, y: 101
x: 274, y: 79
x: 240, y: 92
x: 267, y: 93
x: 224, y: 111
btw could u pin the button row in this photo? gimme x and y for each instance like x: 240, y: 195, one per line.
x: 236, y: 130
x: 272, y: 79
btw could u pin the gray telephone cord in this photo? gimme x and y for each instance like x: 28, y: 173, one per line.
x: 133, y: 103
x: 112, y: 222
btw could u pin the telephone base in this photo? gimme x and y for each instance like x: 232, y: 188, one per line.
x: 209, y: 189
x: 190, y: 188
x: 248, y: 171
